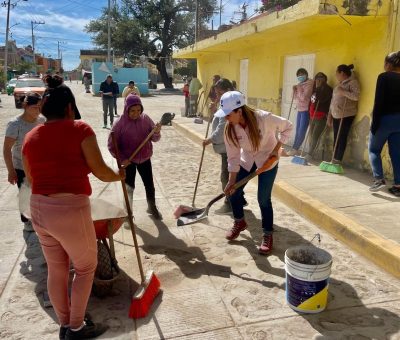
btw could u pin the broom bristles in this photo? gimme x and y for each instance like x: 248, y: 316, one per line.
x: 144, y: 296
x: 332, y: 168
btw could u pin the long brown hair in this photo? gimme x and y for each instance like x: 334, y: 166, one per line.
x: 249, y: 116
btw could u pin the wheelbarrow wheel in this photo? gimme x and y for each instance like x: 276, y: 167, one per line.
x: 104, y: 272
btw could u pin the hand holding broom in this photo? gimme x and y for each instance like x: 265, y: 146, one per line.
x: 150, y: 284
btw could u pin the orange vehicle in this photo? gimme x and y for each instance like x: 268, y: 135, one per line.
x: 25, y: 85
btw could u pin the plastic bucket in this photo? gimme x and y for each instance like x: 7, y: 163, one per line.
x: 307, y: 278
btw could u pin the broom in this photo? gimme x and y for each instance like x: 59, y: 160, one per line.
x: 301, y: 159
x: 150, y: 285
x: 290, y: 111
x: 202, y: 154
x: 330, y: 166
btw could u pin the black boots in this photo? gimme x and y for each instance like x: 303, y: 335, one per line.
x: 152, y: 209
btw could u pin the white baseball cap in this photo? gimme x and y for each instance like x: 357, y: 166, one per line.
x: 230, y: 101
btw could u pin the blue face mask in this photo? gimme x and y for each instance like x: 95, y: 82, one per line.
x: 302, y: 79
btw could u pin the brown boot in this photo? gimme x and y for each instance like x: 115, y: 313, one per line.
x: 235, y: 231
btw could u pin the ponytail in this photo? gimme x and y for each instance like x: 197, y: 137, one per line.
x: 346, y: 69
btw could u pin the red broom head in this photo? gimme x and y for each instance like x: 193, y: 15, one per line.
x: 144, y: 296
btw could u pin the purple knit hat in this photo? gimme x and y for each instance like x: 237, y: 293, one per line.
x: 131, y: 100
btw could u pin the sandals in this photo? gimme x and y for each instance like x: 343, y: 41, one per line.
x: 395, y: 191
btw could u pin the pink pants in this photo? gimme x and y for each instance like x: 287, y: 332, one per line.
x: 65, y: 229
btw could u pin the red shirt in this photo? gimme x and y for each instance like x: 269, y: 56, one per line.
x: 55, y: 157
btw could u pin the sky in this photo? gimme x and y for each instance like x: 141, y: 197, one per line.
x: 64, y: 22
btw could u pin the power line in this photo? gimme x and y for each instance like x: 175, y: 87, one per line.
x: 54, y: 38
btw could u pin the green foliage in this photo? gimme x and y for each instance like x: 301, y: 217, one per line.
x: 276, y: 5
x: 24, y: 67
x: 356, y: 7
x: 153, y: 28
x: 188, y: 70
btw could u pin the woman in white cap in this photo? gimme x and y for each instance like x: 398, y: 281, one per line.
x: 250, y: 139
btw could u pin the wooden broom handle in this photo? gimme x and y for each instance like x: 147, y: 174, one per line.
x: 128, y: 209
x: 143, y: 143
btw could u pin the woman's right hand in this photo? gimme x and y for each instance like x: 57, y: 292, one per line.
x: 229, y: 190
x: 206, y: 142
x: 122, y: 173
x: 329, y: 121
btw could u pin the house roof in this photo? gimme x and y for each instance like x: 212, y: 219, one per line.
x: 94, y: 52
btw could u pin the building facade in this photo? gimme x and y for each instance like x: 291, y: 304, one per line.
x: 263, y: 54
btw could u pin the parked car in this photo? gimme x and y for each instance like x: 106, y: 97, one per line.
x: 25, y: 85
x: 10, y: 86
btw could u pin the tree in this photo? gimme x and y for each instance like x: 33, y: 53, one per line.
x: 153, y: 28
x: 24, y: 67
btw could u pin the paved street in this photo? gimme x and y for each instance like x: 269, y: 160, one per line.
x: 211, y: 289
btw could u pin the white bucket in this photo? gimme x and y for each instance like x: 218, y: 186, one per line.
x: 307, y: 276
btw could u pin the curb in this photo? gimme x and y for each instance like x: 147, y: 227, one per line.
x: 383, y: 252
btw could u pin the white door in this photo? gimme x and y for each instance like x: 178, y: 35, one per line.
x: 292, y: 64
x: 244, y: 74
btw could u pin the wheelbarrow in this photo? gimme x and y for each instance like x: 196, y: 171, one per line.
x: 107, y: 270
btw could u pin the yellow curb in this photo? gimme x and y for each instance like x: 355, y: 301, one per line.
x: 192, y: 135
x: 383, y: 252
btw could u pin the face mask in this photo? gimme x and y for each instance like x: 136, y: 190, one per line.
x: 301, y: 79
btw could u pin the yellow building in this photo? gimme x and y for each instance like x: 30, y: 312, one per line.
x: 263, y: 54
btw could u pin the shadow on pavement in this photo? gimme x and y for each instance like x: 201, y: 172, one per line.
x: 111, y: 310
x: 346, y: 316
x: 190, y: 259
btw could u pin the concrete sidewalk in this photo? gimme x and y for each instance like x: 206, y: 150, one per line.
x: 340, y: 204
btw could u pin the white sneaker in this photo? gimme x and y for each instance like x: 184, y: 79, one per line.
x: 377, y: 185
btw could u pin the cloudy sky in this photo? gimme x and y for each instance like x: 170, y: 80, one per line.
x: 65, y: 20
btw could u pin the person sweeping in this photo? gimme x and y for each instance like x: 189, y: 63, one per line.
x: 250, y: 139
x: 130, y: 130
x: 58, y: 156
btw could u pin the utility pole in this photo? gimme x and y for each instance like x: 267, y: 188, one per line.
x: 59, y: 50
x: 6, y: 47
x: 220, y: 13
x: 33, y: 40
x: 109, y: 32
x: 7, y: 4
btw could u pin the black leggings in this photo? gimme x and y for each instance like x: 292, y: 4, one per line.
x: 20, y: 179
x: 344, y: 132
x: 146, y: 172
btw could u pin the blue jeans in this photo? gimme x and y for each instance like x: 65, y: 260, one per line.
x: 303, y: 118
x: 389, y: 130
x: 265, y: 184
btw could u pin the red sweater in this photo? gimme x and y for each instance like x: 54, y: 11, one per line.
x: 55, y: 157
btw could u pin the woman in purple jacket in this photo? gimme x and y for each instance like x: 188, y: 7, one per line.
x: 130, y: 130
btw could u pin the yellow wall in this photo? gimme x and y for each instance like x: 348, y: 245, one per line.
x: 332, y: 40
